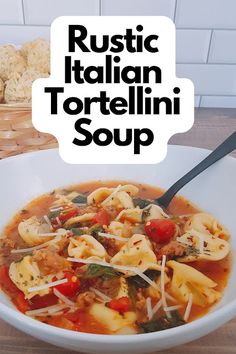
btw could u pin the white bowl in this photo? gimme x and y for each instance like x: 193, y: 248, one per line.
x: 27, y: 176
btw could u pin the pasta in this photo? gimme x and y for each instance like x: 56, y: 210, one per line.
x: 104, y: 258
x: 30, y: 230
x: 86, y: 246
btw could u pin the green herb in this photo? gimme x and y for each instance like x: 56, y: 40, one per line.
x: 94, y: 230
x: 97, y: 270
x: 145, y: 214
x: 142, y: 203
x: 132, y: 292
x: 139, y: 282
x: 77, y: 231
x: 54, y: 214
x: 80, y: 199
x: 162, y: 323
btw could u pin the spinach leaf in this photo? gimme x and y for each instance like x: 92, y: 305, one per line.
x: 77, y: 231
x: 162, y: 323
x: 54, y: 214
x: 142, y: 203
x: 132, y: 292
x: 139, y: 282
x: 80, y: 199
x: 97, y: 270
x: 94, y: 230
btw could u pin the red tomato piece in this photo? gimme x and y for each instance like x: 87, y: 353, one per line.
x: 38, y: 302
x: 160, y: 230
x: 121, y: 305
x: 67, y: 215
x: 102, y: 218
x: 21, y: 303
x: 64, y: 216
x: 73, y: 316
x: 5, y: 281
x: 71, y: 287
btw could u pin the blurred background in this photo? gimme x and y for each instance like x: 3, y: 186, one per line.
x: 206, y: 35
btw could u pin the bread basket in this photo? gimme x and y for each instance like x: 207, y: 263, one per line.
x: 17, y: 134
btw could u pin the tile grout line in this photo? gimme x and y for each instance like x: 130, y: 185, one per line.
x: 200, y: 102
x: 175, y: 11
x: 177, y: 28
x: 213, y: 95
x: 209, y: 49
x: 100, y: 7
x: 23, y: 10
x: 210, y: 64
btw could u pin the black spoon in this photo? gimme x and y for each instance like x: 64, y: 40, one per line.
x: 222, y: 150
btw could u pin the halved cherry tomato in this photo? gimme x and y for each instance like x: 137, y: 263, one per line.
x: 6, y: 282
x: 37, y: 302
x: 64, y: 216
x: 121, y: 305
x: 160, y: 230
x: 71, y: 287
x: 102, y: 218
x: 21, y: 303
x: 73, y: 316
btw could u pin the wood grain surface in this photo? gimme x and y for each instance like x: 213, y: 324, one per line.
x: 211, y: 127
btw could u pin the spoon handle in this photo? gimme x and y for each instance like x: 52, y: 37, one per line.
x: 222, y: 150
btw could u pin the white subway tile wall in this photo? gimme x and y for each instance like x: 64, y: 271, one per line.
x: 138, y: 7
x: 186, y: 52
x: 11, y: 11
x: 21, y: 34
x: 223, y: 47
x: 205, y: 38
x: 43, y: 12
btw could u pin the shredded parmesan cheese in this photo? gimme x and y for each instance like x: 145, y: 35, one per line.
x: 171, y: 298
x: 63, y: 298
x: 188, y: 307
x: 46, y: 310
x: 172, y: 308
x: 49, y: 285
x: 56, y: 209
x: 100, y: 294
x: 46, y: 218
x: 38, y: 247
x: 103, y: 234
x: 58, y: 221
x: 157, y: 306
x: 163, y: 295
x: 149, y: 308
x: 81, y: 204
x: 116, y: 266
x: 111, y: 195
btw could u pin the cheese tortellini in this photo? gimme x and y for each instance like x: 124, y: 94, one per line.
x: 187, y: 280
x: 119, y: 229
x: 153, y: 211
x: 131, y: 215
x: 62, y: 199
x: 114, y: 196
x: 137, y: 252
x: 86, y: 246
x: 206, y: 223
x: 25, y: 274
x: 29, y: 230
x: 79, y: 219
x: 112, y: 319
x: 208, y: 247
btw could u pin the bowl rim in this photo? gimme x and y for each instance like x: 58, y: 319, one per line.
x: 14, y: 316
x: 227, y: 311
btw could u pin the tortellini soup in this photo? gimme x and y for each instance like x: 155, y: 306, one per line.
x: 103, y: 257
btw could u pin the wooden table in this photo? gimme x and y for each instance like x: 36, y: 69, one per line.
x: 210, y: 128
